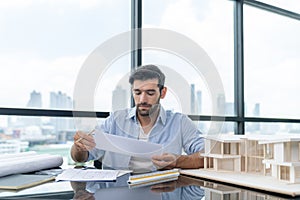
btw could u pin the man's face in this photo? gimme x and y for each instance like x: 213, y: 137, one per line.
x: 146, y: 96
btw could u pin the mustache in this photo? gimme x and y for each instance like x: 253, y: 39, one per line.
x: 144, y: 104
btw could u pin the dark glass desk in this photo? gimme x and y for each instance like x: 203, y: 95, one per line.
x: 185, y: 188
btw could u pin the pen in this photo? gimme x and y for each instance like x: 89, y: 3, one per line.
x: 87, y: 134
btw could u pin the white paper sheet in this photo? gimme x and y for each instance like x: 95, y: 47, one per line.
x: 87, y: 175
x: 127, y: 146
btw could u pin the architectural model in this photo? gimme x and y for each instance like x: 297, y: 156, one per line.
x: 268, y: 155
x: 269, y: 162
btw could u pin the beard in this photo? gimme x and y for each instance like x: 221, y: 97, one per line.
x: 150, y: 109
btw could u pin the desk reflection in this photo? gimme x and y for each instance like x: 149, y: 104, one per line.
x: 185, y: 188
x: 182, y: 188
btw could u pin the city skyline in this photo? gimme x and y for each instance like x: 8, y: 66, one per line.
x: 120, y: 96
x: 61, y: 100
x: 32, y: 128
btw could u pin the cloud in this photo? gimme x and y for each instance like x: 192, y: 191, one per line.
x: 209, y: 24
x: 22, y: 73
x: 91, y: 4
x: 288, y: 5
x: 16, y: 3
x: 271, y: 51
x: 82, y: 4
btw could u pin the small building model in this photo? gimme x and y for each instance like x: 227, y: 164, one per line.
x: 268, y: 155
x: 282, y: 158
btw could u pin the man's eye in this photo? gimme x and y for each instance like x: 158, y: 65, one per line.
x: 150, y: 93
x: 137, y: 92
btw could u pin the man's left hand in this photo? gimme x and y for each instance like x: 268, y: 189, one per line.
x: 165, y: 161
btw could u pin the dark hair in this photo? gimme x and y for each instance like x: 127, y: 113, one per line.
x: 147, y: 72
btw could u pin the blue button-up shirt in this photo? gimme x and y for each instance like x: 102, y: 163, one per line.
x: 175, y: 131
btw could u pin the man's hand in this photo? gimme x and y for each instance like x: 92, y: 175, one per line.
x: 82, y: 144
x: 170, y: 161
x: 83, y: 141
x: 165, y: 161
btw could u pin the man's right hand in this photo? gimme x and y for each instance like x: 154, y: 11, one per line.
x: 83, y: 141
x: 82, y: 144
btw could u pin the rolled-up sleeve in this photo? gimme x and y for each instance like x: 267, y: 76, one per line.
x: 192, y: 137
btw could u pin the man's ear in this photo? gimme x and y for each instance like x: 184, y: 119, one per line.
x: 163, y: 92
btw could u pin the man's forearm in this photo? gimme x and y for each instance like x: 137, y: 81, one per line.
x: 192, y: 161
x: 78, y: 156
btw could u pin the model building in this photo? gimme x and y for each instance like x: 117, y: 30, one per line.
x: 267, y: 155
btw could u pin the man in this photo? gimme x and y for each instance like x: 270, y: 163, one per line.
x: 146, y: 121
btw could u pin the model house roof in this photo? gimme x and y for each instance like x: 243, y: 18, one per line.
x: 262, y: 139
x: 224, y: 138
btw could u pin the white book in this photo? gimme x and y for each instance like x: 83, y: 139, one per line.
x: 153, y: 177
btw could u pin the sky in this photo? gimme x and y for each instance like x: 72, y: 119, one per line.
x: 45, y: 43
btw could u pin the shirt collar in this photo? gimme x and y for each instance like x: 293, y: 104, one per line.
x: 132, y: 113
x: 162, y: 114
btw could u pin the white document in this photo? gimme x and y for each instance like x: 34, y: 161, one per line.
x: 87, y: 175
x: 127, y: 146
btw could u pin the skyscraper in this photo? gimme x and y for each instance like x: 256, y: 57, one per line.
x: 221, y: 104
x: 35, y: 100
x: 199, y: 102
x: 193, y: 99
x: 256, y: 113
x: 256, y: 110
x: 61, y: 100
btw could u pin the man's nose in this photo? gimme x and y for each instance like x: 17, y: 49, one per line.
x: 143, y: 97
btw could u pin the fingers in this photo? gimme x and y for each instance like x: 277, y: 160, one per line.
x: 164, y: 161
x: 83, y: 141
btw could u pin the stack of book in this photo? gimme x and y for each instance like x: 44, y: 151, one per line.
x: 153, y: 178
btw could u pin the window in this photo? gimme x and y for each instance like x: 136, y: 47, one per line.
x: 269, y: 151
x: 271, y: 128
x: 226, y: 148
x: 284, y: 173
x: 44, y: 45
x: 271, y: 64
x: 299, y: 151
x: 208, y: 24
x: 297, y: 172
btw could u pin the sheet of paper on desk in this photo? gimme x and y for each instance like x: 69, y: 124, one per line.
x: 87, y: 175
x: 127, y: 146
